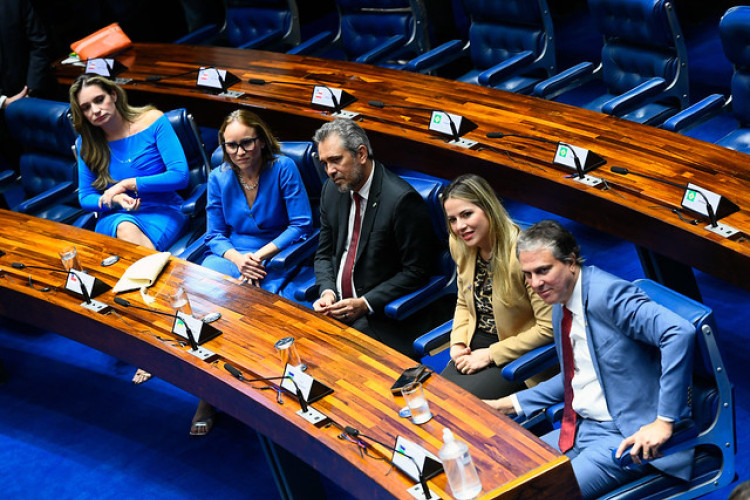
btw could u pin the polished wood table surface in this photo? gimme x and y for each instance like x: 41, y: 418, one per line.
x: 637, y: 209
x: 511, y: 462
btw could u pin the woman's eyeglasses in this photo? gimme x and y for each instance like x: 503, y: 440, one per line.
x: 245, y: 144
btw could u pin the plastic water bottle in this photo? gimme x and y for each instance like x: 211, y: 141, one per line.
x: 462, y: 475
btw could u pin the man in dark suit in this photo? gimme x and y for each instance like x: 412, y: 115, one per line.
x: 625, y: 362
x: 367, y: 209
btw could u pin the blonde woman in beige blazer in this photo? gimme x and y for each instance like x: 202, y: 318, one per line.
x: 498, y: 317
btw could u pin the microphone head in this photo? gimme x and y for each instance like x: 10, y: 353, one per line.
x: 234, y: 371
x: 351, y: 431
x: 122, y: 302
x: 256, y: 81
x: 154, y: 78
x: 376, y: 104
x: 495, y: 135
x: 18, y: 265
x: 620, y: 170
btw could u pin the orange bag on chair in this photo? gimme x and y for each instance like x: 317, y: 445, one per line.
x: 106, y: 41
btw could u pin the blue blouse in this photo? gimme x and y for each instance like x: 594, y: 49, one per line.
x: 280, y: 215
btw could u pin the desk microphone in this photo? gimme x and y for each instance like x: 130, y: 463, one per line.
x: 711, y: 214
x: 351, y: 431
x: 200, y: 352
x: 158, y: 78
x: 239, y: 376
x: 97, y: 286
x: 576, y: 159
x: 337, y: 105
x: 84, y: 291
x: 451, y: 123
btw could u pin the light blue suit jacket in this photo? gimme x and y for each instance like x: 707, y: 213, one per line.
x: 642, y: 354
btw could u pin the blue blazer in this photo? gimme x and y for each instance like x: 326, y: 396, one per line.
x: 642, y: 354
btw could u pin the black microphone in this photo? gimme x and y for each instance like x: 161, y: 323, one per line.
x: 191, y: 339
x: 576, y: 160
x: 158, y: 78
x: 336, y: 104
x: 351, y: 431
x: 454, y: 129
x: 239, y: 376
x: 709, y: 209
x: 84, y: 291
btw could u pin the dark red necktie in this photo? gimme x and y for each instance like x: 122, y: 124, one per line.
x: 346, y: 275
x: 568, y: 424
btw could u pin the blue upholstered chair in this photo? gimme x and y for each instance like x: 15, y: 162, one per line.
x: 300, y: 253
x: 510, y: 45
x: 715, y: 119
x: 48, y: 183
x: 711, y: 428
x: 373, y: 32
x: 442, y: 283
x: 643, y: 71
x: 252, y: 24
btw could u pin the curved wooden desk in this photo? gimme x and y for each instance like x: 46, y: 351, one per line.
x: 511, y: 462
x: 637, y: 209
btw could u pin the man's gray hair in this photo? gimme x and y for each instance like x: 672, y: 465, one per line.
x: 551, y: 235
x: 352, y: 135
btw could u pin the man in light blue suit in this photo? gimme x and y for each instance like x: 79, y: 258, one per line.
x: 630, y: 372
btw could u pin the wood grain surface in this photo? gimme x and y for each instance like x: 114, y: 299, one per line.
x: 511, y: 462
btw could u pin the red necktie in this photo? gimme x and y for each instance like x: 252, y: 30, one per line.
x: 568, y: 424
x: 346, y: 275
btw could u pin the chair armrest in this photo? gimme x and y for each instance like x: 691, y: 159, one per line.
x: 554, y: 413
x: 531, y: 363
x: 263, y: 40
x: 201, y: 35
x: 47, y: 198
x: 7, y: 177
x: 314, y: 44
x: 405, y: 306
x: 196, y: 202
x: 193, y: 251
x: 86, y: 221
x: 571, y: 77
x: 695, y: 114
x: 499, y: 72
x: 381, y: 51
x: 294, y: 255
x: 637, y: 96
x: 435, y: 338
x: 306, y: 290
x: 437, y: 57
x: 683, y: 436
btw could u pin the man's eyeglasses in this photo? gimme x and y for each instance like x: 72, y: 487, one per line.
x: 246, y: 145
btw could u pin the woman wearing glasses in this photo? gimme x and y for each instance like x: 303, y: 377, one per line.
x: 130, y: 165
x: 257, y: 203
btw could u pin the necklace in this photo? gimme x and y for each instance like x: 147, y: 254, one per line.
x: 248, y: 187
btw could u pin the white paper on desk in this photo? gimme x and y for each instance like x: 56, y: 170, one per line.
x: 142, y: 273
x: 414, y: 451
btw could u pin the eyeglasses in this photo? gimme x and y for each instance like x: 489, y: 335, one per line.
x: 246, y: 145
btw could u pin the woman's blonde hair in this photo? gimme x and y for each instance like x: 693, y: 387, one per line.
x: 503, y: 232
x: 250, y: 119
x: 94, y: 147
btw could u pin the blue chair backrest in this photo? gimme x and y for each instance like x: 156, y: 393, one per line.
x: 642, y: 39
x: 45, y: 132
x: 248, y: 20
x: 365, y: 24
x: 734, y: 30
x: 190, y: 139
x: 500, y: 30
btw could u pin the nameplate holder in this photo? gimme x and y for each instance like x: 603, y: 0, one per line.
x: 94, y: 287
x: 106, y: 67
x: 454, y: 126
x: 566, y: 154
x: 326, y: 97
x: 416, y: 492
x: 216, y: 80
x: 202, y: 332
x: 311, y: 389
x: 427, y: 462
x: 692, y: 200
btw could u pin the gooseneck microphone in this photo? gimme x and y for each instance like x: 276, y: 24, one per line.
x: 239, y: 376
x: 84, y: 291
x: 451, y: 123
x: 336, y: 104
x: 576, y: 160
x: 709, y: 209
x: 158, y: 78
x: 191, y: 338
x: 351, y: 431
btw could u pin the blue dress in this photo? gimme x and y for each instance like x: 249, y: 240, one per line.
x: 154, y: 156
x: 280, y: 215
